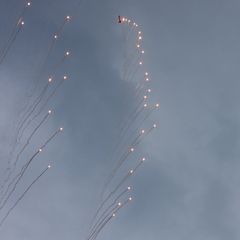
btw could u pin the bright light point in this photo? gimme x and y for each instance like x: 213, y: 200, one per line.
x: 67, y: 53
x: 145, y: 97
x: 142, y: 51
x: 154, y: 125
x: 131, y: 171
x: 143, y: 159
x: 140, y: 37
x: 49, y: 166
x: 29, y: 4
x: 134, y: 24
x: 146, y: 73
x: 138, y: 46
x: 140, y: 63
x: 147, y: 79
x: 149, y: 90
x: 68, y: 17
x: 145, y: 105
x: 129, y: 188
x: 49, y: 111
x: 129, y: 21
x: 61, y: 129
x: 55, y: 36
x: 50, y: 79
x: 142, y: 131
x: 123, y: 19
x: 22, y: 22
x: 40, y: 150
x: 119, y: 204
x: 131, y: 149
x: 130, y: 199
x: 114, y: 215
x: 157, y: 105
x: 65, y: 77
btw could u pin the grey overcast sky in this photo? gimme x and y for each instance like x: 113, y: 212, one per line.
x: 189, y: 187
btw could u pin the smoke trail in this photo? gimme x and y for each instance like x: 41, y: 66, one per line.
x: 14, y: 33
x: 9, y: 170
x: 112, y: 174
x: 10, y: 43
x: 135, y: 67
x: 56, y: 36
x: 126, y: 120
x: 61, y: 61
x: 124, y: 127
x: 142, y: 133
x: 102, y: 221
x: 97, y: 231
x: 107, y: 209
x: 147, y: 133
x: 124, y: 179
x: 22, y: 196
x: 133, y: 119
x: 44, y: 104
x: 20, y: 175
x: 134, y: 144
x: 48, y: 99
x: 31, y: 106
x: 140, y: 107
x: 31, y: 110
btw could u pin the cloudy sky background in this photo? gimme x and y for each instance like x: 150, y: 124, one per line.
x: 189, y: 187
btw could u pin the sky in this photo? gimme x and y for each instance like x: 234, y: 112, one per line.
x: 189, y: 186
